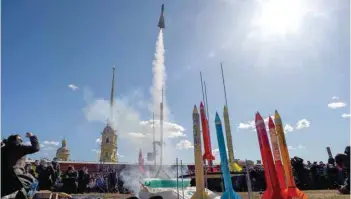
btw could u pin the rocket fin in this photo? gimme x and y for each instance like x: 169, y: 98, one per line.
x: 208, y: 156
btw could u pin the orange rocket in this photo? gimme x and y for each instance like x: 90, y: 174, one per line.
x: 206, y: 136
x: 276, y: 154
x: 292, y: 190
x: 273, y: 190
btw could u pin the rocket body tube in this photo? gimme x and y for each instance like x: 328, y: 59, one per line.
x: 293, y: 191
x: 276, y: 153
x: 161, y: 21
x: 232, y: 164
x: 199, y: 170
x: 206, y: 135
x: 273, y: 190
x: 229, y: 193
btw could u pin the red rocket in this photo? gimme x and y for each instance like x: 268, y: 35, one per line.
x: 206, y: 136
x: 273, y: 190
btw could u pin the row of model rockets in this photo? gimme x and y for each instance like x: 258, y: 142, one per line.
x: 278, y: 171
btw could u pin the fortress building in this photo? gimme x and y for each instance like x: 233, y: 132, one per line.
x: 109, y: 135
x: 63, y: 152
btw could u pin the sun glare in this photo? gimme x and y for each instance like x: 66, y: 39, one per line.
x: 280, y: 16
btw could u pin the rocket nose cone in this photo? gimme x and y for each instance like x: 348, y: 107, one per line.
x: 217, y: 119
x: 195, y: 110
x: 276, y: 115
x: 258, y: 117
x: 201, y: 105
x: 225, y: 109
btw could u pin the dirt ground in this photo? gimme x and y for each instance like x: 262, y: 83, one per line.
x: 320, y: 194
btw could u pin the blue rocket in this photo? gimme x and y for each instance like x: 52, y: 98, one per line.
x: 229, y: 193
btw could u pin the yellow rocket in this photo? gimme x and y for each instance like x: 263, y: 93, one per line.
x: 199, y: 169
x: 293, y: 191
x: 233, y: 166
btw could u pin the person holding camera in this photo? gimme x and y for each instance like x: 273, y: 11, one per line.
x: 343, y: 163
x: 13, y: 161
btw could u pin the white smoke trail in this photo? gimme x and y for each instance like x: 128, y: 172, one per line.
x: 159, y: 78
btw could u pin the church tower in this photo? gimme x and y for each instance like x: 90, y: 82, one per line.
x: 109, y: 135
x: 63, y: 152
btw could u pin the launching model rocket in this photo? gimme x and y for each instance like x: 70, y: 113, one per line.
x: 199, y: 170
x: 276, y: 154
x: 293, y: 191
x: 273, y: 190
x: 229, y: 193
x: 206, y: 135
x: 161, y: 21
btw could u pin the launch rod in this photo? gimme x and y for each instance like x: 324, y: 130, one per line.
x: 202, y: 88
x: 181, y: 173
x: 161, y: 128
x: 153, y: 135
x: 177, y: 178
x: 225, y: 91
x: 208, y: 116
x: 248, y: 180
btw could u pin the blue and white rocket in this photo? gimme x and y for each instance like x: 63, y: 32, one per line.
x: 229, y: 193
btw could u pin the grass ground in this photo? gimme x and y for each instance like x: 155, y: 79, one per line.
x: 320, y: 194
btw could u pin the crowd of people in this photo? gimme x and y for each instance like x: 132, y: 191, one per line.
x: 308, y: 176
x: 21, y: 180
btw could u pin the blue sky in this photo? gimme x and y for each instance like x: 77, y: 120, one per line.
x: 295, y: 63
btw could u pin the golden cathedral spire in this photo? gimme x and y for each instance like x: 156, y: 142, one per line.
x: 109, y: 135
x: 112, y: 93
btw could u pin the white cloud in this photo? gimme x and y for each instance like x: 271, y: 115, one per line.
x: 336, y: 105
x: 136, y: 135
x: 53, y: 143
x: 28, y: 143
x: 302, y: 124
x: 346, y: 115
x: 184, y: 144
x: 215, y: 152
x: 49, y: 148
x: 73, y: 87
x: 96, y: 151
x: 288, y: 128
x: 298, y: 147
x: 248, y: 125
x: 251, y: 125
x: 170, y: 130
x: 98, y: 141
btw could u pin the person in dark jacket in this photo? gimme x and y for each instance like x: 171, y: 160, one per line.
x: 56, y: 167
x: 343, y: 161
x: 69, y: 180
x: 83, y: 180
x: 45, y: 175
x: 13, y: 159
